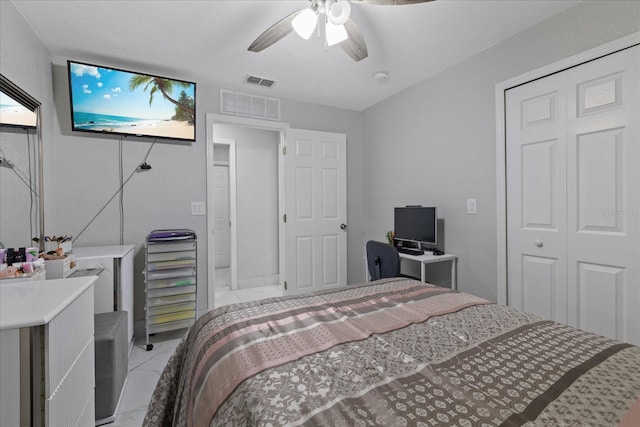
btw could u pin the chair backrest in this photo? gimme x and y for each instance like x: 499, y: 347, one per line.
x: 382, y: 260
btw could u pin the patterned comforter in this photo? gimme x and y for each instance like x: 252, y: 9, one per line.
x: 393, y: 353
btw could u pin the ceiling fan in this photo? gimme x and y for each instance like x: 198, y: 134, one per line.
x: 334, y: 17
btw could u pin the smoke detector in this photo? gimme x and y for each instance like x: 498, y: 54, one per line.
x: 381, y: 76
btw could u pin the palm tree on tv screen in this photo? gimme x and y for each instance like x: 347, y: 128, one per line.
x: 165, y: 87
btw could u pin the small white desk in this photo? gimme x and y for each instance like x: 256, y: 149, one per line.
x: 430, y: 258
x: 114, y: 288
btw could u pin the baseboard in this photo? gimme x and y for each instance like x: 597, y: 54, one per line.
x: 256, y: 282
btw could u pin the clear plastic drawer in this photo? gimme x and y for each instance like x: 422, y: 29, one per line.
x: 164, y: 292
x: 171, y: 247
x: 170, y: 273
x: 171, y: 256
x: 164, y: 327
x: 172, y: 317
x: 173, y: 299
x: 178, y: 281
x: 172, y: 308
x: 166, y: 265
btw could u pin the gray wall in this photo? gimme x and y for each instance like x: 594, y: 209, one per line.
x: 25, y: 62
x: 434, y: 144
x: 257, y: 199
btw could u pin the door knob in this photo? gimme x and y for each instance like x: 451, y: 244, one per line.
x: 538, y: 243
x: 343, y: 226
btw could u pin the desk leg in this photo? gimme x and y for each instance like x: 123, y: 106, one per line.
x: 423, y: 273
x: 454, y: 279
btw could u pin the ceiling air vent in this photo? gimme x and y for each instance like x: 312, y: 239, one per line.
x: 259, y: 81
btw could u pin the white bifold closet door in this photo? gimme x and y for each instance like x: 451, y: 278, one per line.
x: 573, y: 196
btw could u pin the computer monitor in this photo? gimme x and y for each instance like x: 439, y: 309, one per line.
x: 416, y: 224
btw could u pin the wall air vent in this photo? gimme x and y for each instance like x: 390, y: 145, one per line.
x: 259, y: 81
x: 248, y: 105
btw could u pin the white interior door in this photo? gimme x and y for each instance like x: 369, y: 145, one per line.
x: 316, y: 211
x: 573, y: 198
x: 221, y: 215
x: 536, y: 191
x: 603, y: 175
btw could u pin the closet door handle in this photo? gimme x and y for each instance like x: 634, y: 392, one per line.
x: 538, y: 243
x: 343, y: 226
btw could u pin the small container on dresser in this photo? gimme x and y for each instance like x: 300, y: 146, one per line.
x: 170, y: 281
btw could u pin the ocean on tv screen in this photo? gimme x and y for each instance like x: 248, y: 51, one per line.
x: 110, y: 100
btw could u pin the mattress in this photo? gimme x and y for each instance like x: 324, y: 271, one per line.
x: 393, y: 352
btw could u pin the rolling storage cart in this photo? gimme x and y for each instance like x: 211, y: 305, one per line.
x: 170, y: 281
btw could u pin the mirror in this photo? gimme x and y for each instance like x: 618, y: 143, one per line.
x: 21, y: 188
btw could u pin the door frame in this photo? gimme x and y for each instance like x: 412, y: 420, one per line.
x: 501, y: 166
x: 221, y: 119
x: 233, y: 230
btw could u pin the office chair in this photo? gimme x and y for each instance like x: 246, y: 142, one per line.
x: 382, y: 260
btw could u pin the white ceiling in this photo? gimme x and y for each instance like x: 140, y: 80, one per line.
x: 206, y: 42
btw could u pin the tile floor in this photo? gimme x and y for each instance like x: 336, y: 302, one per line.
x: 145, y: 367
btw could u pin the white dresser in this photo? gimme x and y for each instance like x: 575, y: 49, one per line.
x: 47, y: 360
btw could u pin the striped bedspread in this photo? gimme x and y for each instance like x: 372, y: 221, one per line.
x: 393, y: 353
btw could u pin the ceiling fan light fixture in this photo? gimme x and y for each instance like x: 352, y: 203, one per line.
x: 335, y: 34
x: 305, y: 23
x: 339, y: 12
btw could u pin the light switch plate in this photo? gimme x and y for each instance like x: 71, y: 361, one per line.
x: 197, y: 208
x: 471, y: 207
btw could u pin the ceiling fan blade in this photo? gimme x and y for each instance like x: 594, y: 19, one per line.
x: 274, y: 33
x: 391, y: 2
x: 355, y: 46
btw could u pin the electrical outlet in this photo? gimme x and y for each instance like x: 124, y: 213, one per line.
x: 197, y: 208
x: 471, y: 207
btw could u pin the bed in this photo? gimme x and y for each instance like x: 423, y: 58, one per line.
x: 395, y: 352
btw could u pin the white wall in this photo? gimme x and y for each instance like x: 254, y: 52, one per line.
x: 434, y: 144
x: 24, y: 61
x: 257, y: 201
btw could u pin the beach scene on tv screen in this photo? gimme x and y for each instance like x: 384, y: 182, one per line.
x: 107, y: 100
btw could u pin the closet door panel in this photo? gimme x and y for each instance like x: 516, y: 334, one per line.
x: 603, y: 195
x: 536, y: 187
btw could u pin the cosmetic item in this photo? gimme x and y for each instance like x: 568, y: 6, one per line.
x: 10, y: 256
x: 27, y: 267
x: 32, y: 254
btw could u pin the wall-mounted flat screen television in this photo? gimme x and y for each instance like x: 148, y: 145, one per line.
x: 109, y: 100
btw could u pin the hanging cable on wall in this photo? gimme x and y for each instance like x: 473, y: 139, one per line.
x: 6, y: 163
x: 121, y: 175
x: 140, y: 168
